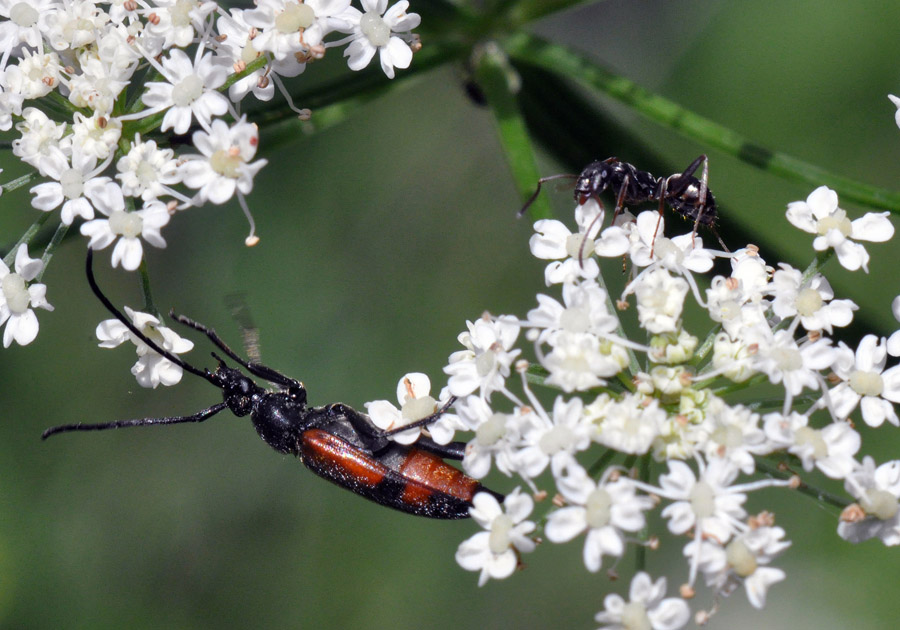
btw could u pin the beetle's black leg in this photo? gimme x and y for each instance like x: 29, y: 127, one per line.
x: 451, y: 450
x: 200, y: 416
x: 424, y: 422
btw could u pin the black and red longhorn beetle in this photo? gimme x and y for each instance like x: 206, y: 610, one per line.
x: 335, y: 441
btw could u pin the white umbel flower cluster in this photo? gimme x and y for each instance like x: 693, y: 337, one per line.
x: 651, y: 417
x: 133, y: 73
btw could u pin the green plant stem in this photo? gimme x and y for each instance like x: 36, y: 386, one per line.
x: 149, y: 306
x: 29, y: 234
x: 58, y: 237
x: 499, y: 83
x: 18, y: 182
x: 805, y: 488
x: 532, y: 50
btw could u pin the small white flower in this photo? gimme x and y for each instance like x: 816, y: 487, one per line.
x: 78, y: 186
x: 495, y: 552
x: 812, y: 302
x: 647, y: 608
x: 416, y: 403
x: 384, y: 32
x: 830, y: 449
x: 189, y: 92
x: 578, y: 361
x: 147, y: 171
x: 40, y: 138
x: 224, y: 164
x: 820, y: 215
x: 796, y: 366
x: 603, y: 509
x: 865, y: 382
x: 36, y: 75
x: 239, y: 43
x: 17, y: 297
x: 570, y: 252
x: 680, y: 254
x: 24, y: 23
x: 877, y: 492
x: 486, y: 361
x: 630, y: 425
x: 74, y: 24
x: 660, y: 299
x: 151, y: 369
x: 127, y: 227
x: 287, y: 27
x: 553, y: 439
x: 496, y: 436
x: 100, y: 82
x: 97, y: 135
x: 708, y: 503
x: 741, y: 561
x: 177, y: 22
x: 732, y: 432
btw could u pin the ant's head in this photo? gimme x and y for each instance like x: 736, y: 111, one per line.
x: 592, y: 181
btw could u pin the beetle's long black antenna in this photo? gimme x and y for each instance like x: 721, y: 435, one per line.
x: 257, y: 369
x: 134, y: 329
x: 200, y: 416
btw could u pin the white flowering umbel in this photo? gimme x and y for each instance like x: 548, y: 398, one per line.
x: 93, y: 94
x: 646, y: 424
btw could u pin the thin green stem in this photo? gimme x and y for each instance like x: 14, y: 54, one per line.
x: 640, y: 554
x: 805, y: 488
x: 29, y: 234
x: 149, y: 306
x: 18, y: 182
x: 601, y: 464
x: 532, y: 50
x: 58, y: 237
x: 499, y: 83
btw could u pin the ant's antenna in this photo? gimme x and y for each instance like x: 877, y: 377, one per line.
x: 537, y: 192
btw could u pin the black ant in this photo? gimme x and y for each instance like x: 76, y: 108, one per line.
x: 685, y: 194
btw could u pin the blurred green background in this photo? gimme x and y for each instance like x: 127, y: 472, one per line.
x: 380, y: 237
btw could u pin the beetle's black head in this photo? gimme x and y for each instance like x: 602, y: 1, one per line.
x: 238, y: 390
x: 592, y: 181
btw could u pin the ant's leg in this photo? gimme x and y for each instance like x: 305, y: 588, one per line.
x: 704, y: 188
x: 620, y: 198
x: 587, y: 233
x: 682, y: 181
x: 661, y: 192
